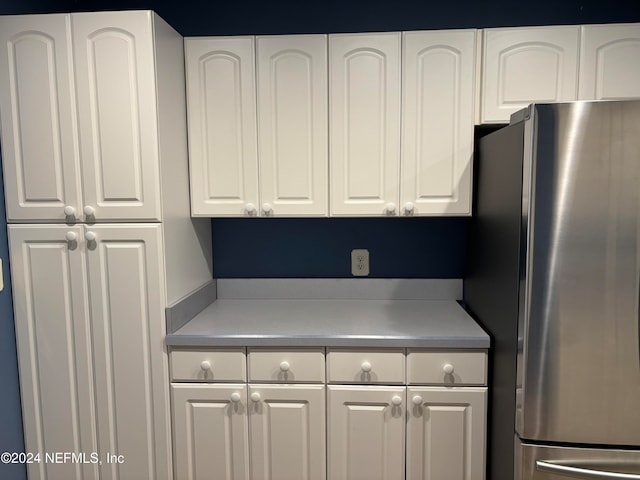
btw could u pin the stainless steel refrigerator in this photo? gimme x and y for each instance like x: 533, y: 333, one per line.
x: 554, y: 277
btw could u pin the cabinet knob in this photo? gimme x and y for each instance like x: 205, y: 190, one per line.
x: 255, y: 397
x: 267, y: 209
x: 71, y: 236
x: 205, y: 365
x: 90, y: 236
x: 396, y: 400
x: 417, y: 400
x: 366, y: 367
x: 235, y: 397
x: 447, y: 368
x: 390, y: 208
x: 250, y: 208
x: 284, y: 366
x: 89, y: 211
x: 69, y: 211
x: 409, y: 208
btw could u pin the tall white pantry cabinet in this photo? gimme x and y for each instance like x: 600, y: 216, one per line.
x: 94, y: 148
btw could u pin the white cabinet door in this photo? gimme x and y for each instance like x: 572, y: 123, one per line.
x: 131, y: 371
x: 210, y: 432
x: 364, y: 86
x: 438, y: 122
x: 292, y: 124
x: 117, y: 119
x: 287, y: 424
x: 221, y: 104
x: 366, y: 433
x: 39, y: 152
x: 446, y: 433
x: 525, y: 65
x: 610, y: 62
x: 53, y: 339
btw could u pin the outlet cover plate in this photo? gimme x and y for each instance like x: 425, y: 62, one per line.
x: 360, y: 262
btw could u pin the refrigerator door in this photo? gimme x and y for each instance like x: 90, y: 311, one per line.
x: 581, y: 338
x: 560, y: 463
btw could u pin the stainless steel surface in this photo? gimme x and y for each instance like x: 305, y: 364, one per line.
x: 559, y: 463
x: 581, y: 472
x: 580, y: 367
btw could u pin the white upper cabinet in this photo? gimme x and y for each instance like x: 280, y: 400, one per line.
x: 221, y: 101
x: 525, y: 65
x: 37, y: 117
x: 364, y: 85
x: 292, y: 124
x: 101, y: 165
x: 610, y: 62
x: 117, y: 117
x: 438, y: 115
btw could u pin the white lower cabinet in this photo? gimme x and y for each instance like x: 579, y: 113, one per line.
x: 366, y: 432
x: 446, y: 433
x: 210, y: 431
x: 287, y: 425
x: 349, y: 428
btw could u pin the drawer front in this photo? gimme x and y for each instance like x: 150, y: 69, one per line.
x: 209, y: 365
x: 366, y: 366
x: 437, y: 367
x: 286, y: 365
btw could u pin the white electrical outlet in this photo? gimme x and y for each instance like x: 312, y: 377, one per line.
x: 360, y: 262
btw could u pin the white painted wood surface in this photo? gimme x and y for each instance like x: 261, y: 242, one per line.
x: 366, y: 433
x: 53, y: 337
x: 37, y: 107
x: 353, y: 366
x: 446, y: 433
x: 209, y: 365
x: 287, y: 426
x: 211, y: 432
x: 286, y: 365
x: 221, y: 101
x: 438, y: 112
x: 364, y: 85
x: 292, y: 124
x: 609, y: 62
x: 131, y: 366
x: 525, y: 65
x: 429, y: 367
x: 117, y: 115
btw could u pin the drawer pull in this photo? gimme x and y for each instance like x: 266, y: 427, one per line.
x: 366, y: 367
x: 447, y: 368
x: 284, y: 366
x: 235, y: 397
x: 417, y: 400
x: 396, y: 400
x: 206, y: 365
x: 255, y: 397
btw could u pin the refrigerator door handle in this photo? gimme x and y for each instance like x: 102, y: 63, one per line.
x: 579, y: 472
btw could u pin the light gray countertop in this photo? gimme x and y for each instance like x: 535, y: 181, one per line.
x: 332, y: 323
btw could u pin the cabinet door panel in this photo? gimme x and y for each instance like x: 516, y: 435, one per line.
x: 610, y: 62
x: 366, y: 433
x: 526, y: 65
x: 446, y: 433
x: 292, y: 123
x: 130, y: 360
x: 37, y: 118
x: 53, y: 339
x: 438, y: 122
x: 211, y: 432
x: 221, y: 103
x: 116, y: 93
x: 364, y: 88
x: 288, y: 432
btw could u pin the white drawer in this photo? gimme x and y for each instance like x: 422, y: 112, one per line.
x: 209, y: 365
x: 366, y: 366
x: 288, y: 365
x: 438, y: 367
